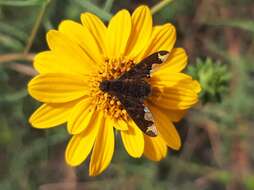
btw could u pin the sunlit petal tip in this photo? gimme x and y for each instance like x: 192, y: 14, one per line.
x: 174, y: 91
x: 173, y: 36
x: 97, y: 29
x: 87, y: 15
x: 133, y: 140
x: 197, y: 87
x: 142, y: 8
x: 182, y: 51
x: 82, y: 37
x: 65, y: 22
x: 176, y: 62
x: 51, y: 34
x: 171, y: 27
x: 93, y: 23
x: 58, y: 87
x: 47, y: 116
x: 141, y: 31
x: 103, y: 149
x: 163, y: 37
x: 123, y: 11
x: 117, y: 36
x: 32, y: 120
x: 30, y: 86
x: 39, y: 55
x: 155, y: 148
x: 69, y: 160
x: 38, y: 61
x: 177, y: 145
x: 93, y: 173
x: 166, y: 128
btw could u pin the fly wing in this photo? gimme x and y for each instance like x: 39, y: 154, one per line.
x: 142, y: 69
x: 139, y: 113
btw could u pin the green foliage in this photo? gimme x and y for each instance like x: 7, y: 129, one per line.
x: 213, y: 77
x: 21, y: 2
x: 89, y: 6
x: 249, y: 182
x: 247, y: 25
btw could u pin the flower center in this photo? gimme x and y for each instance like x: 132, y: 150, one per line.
x: 103, y: 100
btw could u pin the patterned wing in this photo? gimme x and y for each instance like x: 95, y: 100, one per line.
x: 142, y: 69
x: 139, y: 113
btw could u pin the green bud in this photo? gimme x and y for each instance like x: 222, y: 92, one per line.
x: 213, y: 77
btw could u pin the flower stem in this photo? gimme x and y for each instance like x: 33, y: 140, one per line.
x: 36, y: 27
x: 156, y: 8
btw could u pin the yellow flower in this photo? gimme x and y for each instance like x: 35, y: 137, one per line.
x: 80, y: 57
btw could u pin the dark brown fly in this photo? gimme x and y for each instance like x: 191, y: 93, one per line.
x: 132, y: 88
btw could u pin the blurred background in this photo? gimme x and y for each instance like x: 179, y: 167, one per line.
x: 218, y: 133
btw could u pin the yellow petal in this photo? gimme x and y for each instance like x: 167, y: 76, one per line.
x: 80, y: 117
x: 55, y: 62
x: 121, y: 124
x: 163, y: 38
x: 174, y: 115
x: 155, y: 148
x: 103, y: 149
x: 196, y: 86
x: 166, y: 128
x: 80, y: 145
x: 58, y: 88
x: 174, y: 91
x: 177, y: 80
x: 165, y: 79
x: 63, y: 45
x: 141, y: 31
x: 118, y: 33
x: 133, y: 140
x: 96, y: 28
x: 51, y: 115
x: 175, y: 63
x: 174, y: 99
x: 82, y: 36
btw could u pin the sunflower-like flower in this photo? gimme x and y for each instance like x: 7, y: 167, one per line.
x: 81, y: 56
